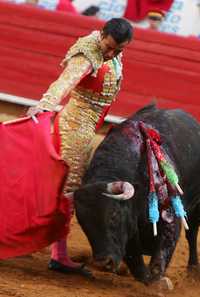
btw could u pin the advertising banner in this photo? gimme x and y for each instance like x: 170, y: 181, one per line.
x: 183, y: 18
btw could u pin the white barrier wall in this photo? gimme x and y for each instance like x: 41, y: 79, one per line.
x: 183, y: 18
x: 111, y: 9
x: 81, y: 5
x: 107, y: 8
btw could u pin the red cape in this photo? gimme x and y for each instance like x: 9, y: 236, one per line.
x: 66, y: 6
x: 32, y: 173
x: 137, y: 10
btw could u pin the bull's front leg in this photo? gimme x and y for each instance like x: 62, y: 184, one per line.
x: 135, y: 261
x: 168, y: 234
x: 191, y: 236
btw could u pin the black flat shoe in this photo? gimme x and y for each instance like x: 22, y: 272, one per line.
x: 59, y: 267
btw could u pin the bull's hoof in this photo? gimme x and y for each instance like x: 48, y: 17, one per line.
x: 163, y: 284
x: 143, y: 276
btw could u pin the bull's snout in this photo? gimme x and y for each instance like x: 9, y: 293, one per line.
x: 107, y: 263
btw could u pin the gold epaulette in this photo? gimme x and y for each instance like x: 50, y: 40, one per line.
x: 89, y: 47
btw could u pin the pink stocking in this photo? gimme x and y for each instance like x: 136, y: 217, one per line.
x: 59, y: 253
x: 59, y: 248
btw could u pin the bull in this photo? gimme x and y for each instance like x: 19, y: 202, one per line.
x: 118, y: 228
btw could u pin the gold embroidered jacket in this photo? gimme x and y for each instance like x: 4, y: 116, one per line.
x: 91, y: 85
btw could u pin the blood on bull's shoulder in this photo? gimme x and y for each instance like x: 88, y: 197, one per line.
x: 131, y: 204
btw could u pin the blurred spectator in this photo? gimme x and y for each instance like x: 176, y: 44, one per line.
x: 64, y: 5
x: 154, y: 19
x: 197, y: 2
x: 102, y: 9
x: 59, y: 5
x: 18, y: 1
x: 87, y: 7
x: 134, y: 10
x: 137, y: 10
x: 91, y: 11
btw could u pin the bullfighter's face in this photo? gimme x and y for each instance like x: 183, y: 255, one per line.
x: 110, y: 48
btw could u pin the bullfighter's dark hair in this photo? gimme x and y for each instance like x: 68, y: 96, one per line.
x: 120, y: 30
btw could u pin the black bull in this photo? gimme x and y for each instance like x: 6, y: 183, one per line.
x: 121, y: 230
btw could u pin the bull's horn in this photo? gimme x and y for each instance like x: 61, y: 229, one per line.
x: 125, y: 189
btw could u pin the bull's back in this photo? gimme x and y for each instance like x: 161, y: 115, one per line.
x: 119, y: 155
x: 180, y: 135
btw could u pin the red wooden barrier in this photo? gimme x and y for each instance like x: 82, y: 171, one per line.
x: 156, y: 65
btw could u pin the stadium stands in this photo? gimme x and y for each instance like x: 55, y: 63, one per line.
x: 156, y: 65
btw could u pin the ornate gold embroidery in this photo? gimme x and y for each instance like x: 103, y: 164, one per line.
x: 77, y: 125
x: 76, y: 68
x: 111, y: 83
x: 77, y: 129
x: 79, y: 117
x: 89, y: 47
x: 110, y: 89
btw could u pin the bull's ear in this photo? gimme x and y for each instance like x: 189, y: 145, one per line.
x: 120, y: 190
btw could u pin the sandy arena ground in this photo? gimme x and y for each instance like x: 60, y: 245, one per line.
x: 29, y: 277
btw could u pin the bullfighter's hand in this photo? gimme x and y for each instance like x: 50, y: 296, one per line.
x: 34, y: 110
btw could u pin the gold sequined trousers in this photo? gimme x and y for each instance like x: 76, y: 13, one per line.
x: 77, y: 123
